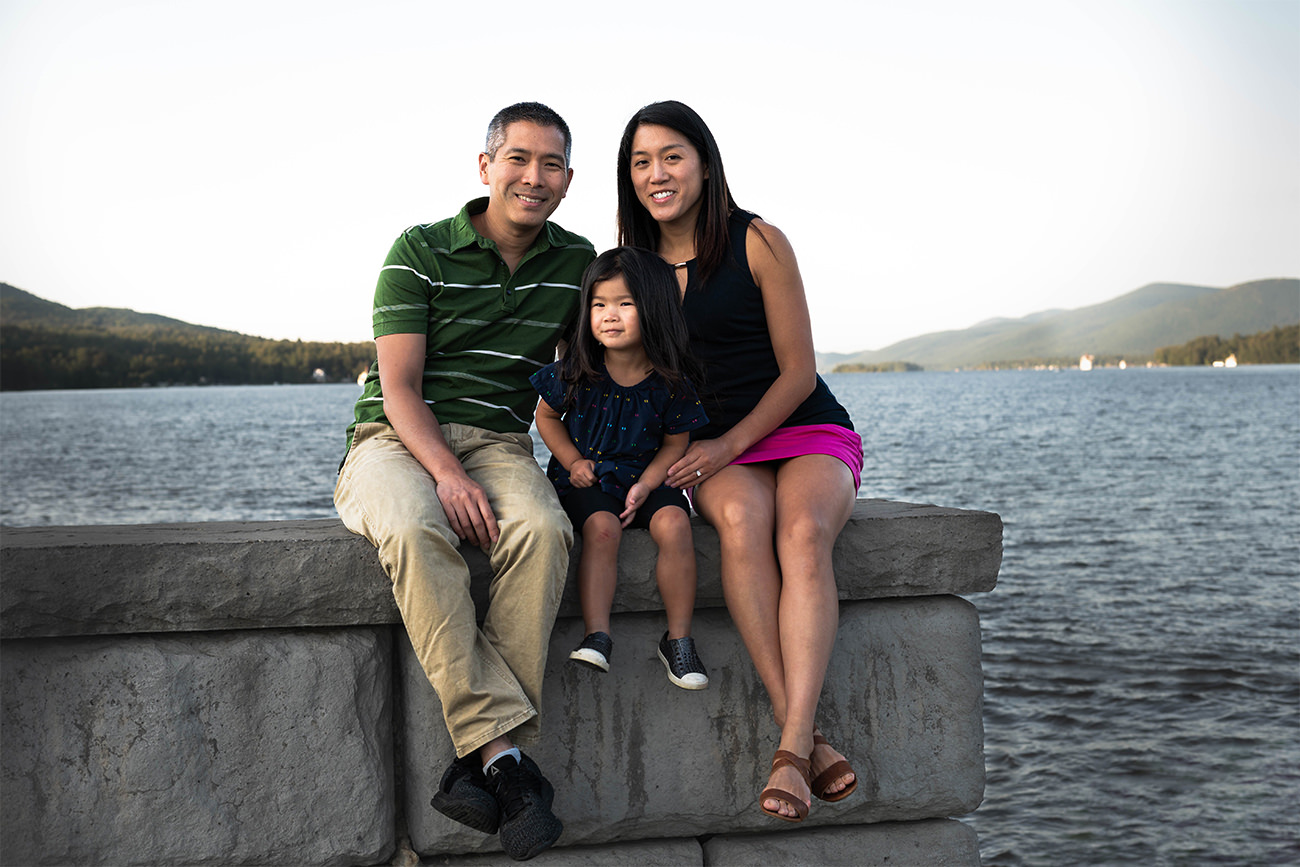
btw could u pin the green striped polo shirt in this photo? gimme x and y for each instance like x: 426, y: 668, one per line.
x: 487, y: 330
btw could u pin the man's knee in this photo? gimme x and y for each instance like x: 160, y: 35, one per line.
x: 544, y: 527
x: 414, y: 521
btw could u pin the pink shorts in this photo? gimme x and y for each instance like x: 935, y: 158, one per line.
x: 811, y: 439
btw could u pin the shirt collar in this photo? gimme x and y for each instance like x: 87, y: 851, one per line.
x: 464, y: 234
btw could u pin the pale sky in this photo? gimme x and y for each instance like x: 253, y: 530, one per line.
x: 246, y: 165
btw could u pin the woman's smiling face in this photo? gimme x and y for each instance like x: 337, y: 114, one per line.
x: 667, y: 174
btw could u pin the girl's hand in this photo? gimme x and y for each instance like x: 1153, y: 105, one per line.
x: 636, y: 497
x: 702, y: 460
x: 582, y: 473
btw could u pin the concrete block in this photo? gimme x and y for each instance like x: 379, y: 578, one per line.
x: 642, y: 853
x: 886, y: 550
x: 194, y: 577
x: 188, y: 577
x: 932, y: 843
x: 634, y: 757
x: 219, y: 748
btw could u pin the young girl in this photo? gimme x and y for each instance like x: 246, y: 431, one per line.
x: 616, y: 414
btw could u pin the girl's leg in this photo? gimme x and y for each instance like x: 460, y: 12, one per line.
x: 814, y: 499
x: 598, y: 569
x: 670, y: 528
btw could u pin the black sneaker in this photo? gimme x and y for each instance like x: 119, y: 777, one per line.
x: 683, y: 663
x: 464, y: 795
x: 594, y: 651
x: 524, y: 799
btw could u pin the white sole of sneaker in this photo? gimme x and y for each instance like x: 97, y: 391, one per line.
x: 691, y: 681
x: 593, y: 658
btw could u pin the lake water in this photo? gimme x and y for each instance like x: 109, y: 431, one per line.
x: 1142, y: 648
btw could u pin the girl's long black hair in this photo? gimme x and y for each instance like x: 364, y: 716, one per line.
x: 654, y: 289
x: 635, y: 225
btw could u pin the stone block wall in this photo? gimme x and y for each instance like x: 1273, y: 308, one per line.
x: 245, y: 694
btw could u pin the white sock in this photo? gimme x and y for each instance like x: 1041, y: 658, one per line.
x: 513, y: 751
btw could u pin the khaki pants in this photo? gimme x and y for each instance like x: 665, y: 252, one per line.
x: 488, y: 679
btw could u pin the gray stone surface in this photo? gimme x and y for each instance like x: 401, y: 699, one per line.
x: 179, y: 741
x: 219, y: 748
x: 933, y: 843
x: 188, y: 577
x: 642, y: 853
x: 194, y: 577
x: 634, y: 757
x: 928, y: 843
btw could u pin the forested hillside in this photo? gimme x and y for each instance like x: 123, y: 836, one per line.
x: 48, y: 345
x: 1276, y: 346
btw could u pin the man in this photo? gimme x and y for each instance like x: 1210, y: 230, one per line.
x: 465, y: 310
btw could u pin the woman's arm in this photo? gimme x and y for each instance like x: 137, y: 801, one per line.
x: 401, y: 377
x: 674, y: 446
x: 775, y: 271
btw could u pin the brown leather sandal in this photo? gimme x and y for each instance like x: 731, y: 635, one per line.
x: 823, y: 782
x: 804, y: 767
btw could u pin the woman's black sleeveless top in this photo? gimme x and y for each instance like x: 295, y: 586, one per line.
x: 729, y: 336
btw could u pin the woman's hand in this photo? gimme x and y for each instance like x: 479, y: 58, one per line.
x: 702, y: 459
x: 582, y: 473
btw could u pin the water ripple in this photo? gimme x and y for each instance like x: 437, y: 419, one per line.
x: 1141, y: 650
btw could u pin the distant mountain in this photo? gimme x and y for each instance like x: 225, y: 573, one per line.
x: 1133, y: 326
x: 48, y: 345
x: 22, y: 308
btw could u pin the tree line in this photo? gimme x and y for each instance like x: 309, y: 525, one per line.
x: 884, y: 367
x: 33, y: 357
x: 1280, y: 345
x: 40, y: 355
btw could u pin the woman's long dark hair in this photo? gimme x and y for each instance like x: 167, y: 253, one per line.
x: 654, y: 289
x: 637, y: 228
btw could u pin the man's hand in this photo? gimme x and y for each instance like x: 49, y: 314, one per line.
x: 401, y: 370
x: 468, y: 512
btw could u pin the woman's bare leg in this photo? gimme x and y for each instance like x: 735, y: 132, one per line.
x: 787, y: 614
x: 740, y: 503
x: 814, y: 500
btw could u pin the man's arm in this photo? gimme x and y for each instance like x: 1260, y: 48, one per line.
x: 401, y: 376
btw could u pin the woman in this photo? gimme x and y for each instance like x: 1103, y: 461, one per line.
x: 776, y: 471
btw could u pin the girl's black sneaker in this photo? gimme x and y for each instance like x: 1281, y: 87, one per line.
x: 594, y: 651
x: 683, y: 663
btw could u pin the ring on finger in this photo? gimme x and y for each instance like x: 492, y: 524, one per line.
x: 699, y: 473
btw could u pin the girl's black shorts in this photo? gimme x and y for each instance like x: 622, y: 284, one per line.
x: 581, y: 503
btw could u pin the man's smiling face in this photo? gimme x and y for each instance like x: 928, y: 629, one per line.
x: 527, y: 177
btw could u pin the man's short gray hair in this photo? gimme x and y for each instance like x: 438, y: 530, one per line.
x: 533, y: 112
